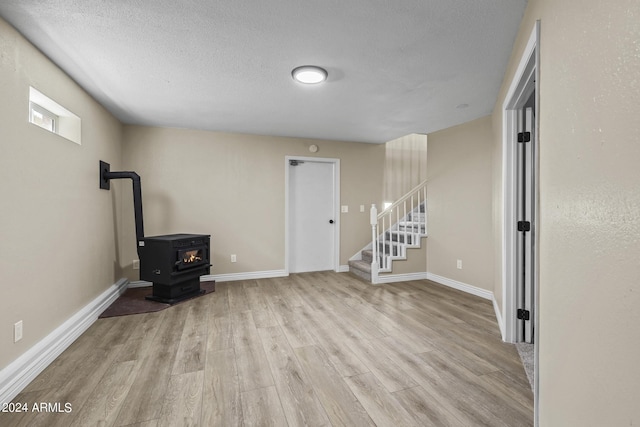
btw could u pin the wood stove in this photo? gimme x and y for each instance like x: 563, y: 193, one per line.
x: 174, y: 262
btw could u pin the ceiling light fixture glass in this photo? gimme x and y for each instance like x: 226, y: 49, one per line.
x: 309, y: 74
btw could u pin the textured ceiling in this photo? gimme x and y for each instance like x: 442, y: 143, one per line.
x: 395, y: 66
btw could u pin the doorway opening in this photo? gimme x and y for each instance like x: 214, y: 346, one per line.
x: 525, y: 175
x: 520, y: 245
x: 312, y: 226
x: 520, y: 194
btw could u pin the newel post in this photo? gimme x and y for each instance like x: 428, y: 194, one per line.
x: 373, y: 220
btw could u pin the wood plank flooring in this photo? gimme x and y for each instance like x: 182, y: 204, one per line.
x: 316, y: 349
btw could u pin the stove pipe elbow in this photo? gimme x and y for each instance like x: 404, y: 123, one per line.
x: 106, y: 175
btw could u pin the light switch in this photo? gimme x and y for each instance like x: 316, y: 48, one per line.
x: 361, y: 208
x: 344, y: 209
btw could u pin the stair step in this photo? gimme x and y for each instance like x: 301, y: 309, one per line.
x: 361, y: 265
x: 367, y: 256
x: 362, y: 269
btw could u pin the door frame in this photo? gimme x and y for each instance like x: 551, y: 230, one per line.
x: 524, y: 253
x: 524, y: 83
x: 336, y: 206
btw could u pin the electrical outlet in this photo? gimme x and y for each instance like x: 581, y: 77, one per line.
x: 233, y: 258
x: 344, y: 209
x: 361, y: 208
x: 136, y: 264
x: 17, y: 331
x: 459, y: 264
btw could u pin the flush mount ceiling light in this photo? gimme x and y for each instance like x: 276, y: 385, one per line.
x: 309, y: 74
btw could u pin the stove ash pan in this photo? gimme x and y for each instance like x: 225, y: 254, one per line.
x: 174, y: 258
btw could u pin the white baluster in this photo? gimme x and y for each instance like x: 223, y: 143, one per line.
x: 384, y: 248
x: 424, y: 189
x: 404, y: 207
x: 418, y: 209
x: 395, y: 231
x: 373, y: 220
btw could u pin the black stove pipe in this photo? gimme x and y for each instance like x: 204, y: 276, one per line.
x: 106, y: 175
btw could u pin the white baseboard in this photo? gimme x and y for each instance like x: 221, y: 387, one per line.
x: 139, y: 284
x: 470, y: 289
x: 392, y: 278
x: 499, y: 318
x: 19, y: 373
x: 229, y: 277
x: 343, y: 269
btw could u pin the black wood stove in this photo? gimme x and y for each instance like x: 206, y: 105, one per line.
x: 174, y: 262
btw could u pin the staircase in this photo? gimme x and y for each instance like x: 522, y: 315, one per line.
x: 403, y: 225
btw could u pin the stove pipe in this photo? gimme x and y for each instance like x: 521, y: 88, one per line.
x: 106, y: 175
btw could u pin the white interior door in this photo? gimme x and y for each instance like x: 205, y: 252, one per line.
x: 526, y: 229
x: 311, y: 216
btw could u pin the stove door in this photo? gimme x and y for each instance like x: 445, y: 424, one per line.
x: 192, y: 257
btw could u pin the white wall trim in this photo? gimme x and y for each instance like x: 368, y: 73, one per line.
x: 249, y: 275
x: 139, y: 284
x: 343, y: 269
x: 19, y: 373
x: 227, y: 277
x: 496, y: 308
x: 470, y: 289
x: 405, y: 277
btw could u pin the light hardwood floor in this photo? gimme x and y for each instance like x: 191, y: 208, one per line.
x: 313, y: 349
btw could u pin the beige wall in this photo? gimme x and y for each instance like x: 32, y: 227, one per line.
x: 232, y: 186
x: 459, y: 203
x: 57, y: 228
x: 416, y: 261
x: 589, y: 209
x: 405, y: 165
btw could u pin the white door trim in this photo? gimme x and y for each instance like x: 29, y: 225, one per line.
x: 525, y: 81
x: 336, y: 204
x: 522, y: 86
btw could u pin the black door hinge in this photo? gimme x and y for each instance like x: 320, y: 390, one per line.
x: 523, y: 314
x: 524, y: 226
x: 524, y: 137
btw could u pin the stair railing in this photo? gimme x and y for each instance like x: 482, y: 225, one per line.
x: 404, y: 221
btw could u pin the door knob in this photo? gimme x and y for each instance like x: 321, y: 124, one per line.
x: 330, y: 221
